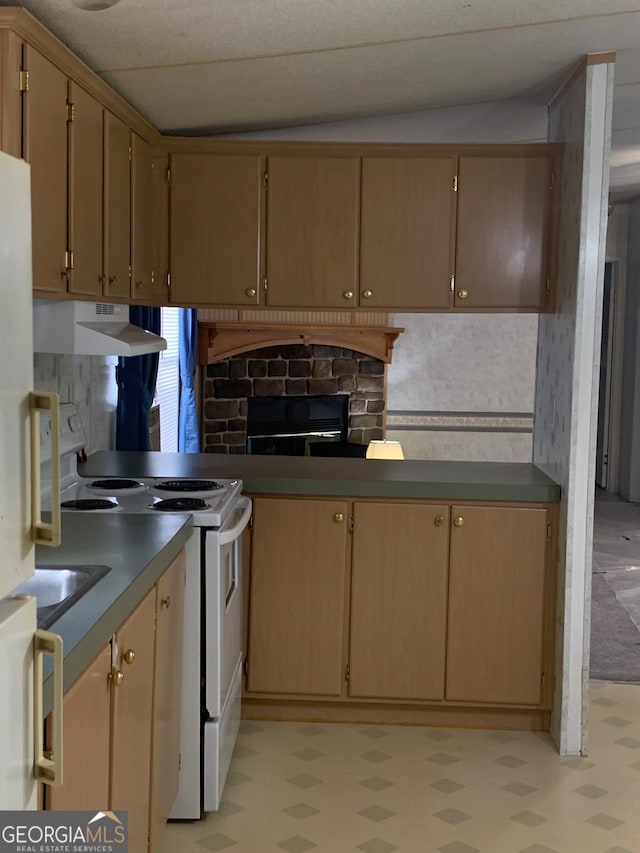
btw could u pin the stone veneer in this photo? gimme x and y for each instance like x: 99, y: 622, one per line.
x: 291, y: 370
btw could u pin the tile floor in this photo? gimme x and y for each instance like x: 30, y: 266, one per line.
x: 296, y: 787
x: 335, y: 788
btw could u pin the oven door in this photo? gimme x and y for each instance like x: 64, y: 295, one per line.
x: 222, y: 629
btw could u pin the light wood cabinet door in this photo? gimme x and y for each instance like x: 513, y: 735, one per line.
x: 398, y: 601
x: 160, y: 228
x: 407, y: 232
x: 131, y: 716
x: 117, y: 208
x: 167, y: 696
x: 85, y: 193
x: 85, y: 739
x: 496, y: 604
x: 10, y: 96
x: 502, y: 251
x: 45, y: 149
x: 142, y: 221
x: 297, y: 600
x: 215, y: 214
x: 312, y: 231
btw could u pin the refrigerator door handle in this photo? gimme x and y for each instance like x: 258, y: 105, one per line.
x: 48, y: 765
x: 45, y: 533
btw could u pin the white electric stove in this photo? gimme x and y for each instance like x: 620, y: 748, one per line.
x: 212, y: 642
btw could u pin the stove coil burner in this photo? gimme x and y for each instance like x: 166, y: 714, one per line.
x: 188, y: 486
x: 180, y: 505
x: 88, y: 504
x: 114, y: 484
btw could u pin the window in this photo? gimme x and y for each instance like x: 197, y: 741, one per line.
x: 168, y: 382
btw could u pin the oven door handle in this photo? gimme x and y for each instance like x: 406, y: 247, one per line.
x: 231, y: 535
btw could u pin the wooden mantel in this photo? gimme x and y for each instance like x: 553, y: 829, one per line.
x: 217, y: 341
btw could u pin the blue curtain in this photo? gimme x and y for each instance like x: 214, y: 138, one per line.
x: 188, y: 440
x: 136, y: 379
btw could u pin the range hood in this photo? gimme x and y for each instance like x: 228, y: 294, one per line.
x: 89, y: 328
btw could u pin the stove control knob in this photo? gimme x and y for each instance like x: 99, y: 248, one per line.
x: 129, y: 656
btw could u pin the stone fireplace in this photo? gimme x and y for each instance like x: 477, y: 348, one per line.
x: 292, y: 370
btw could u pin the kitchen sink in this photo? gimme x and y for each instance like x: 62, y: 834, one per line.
x: 57, y: 588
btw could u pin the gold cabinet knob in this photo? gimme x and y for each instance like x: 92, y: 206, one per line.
x: 438, y: 520
x: 165, y: 602
x: 338, y: 517
x: 367, y: 294
x: 116, y: 678
x: 458, y: 521
x: 348, y: 294
x: 462, y: 294
x: 129, y: 656
x: 250, y: 291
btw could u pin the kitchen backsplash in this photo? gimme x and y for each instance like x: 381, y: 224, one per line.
x: 89, y: 382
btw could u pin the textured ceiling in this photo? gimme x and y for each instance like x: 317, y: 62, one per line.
x: 214, y: 66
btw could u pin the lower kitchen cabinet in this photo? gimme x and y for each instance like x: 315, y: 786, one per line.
x: 167, y: 696
x: 85, y: 740
x: 121, y: 729
x: 435, y: 606
x: 132, y: 705
x: 398, y: 600
x: 497, y: 605
x: 298, y: 597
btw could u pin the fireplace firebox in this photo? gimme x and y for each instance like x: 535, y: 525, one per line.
x: 290, y: 426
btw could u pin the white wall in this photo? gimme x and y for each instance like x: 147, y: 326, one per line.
x: 87, y: 381
x: 456, y: 381
x: 567, y: 380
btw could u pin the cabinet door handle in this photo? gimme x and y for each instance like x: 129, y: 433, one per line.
x: 348, y: 294
x: 367, y: 294
x: 438, y: 520
x: 116, y: 678
x: 113, y: 280
x: 338, y: 517
x: 129, y: 656
x: 250, y: 291
x: 458, y: 521
x: 462, y: 294
x: 48, y: 767
x: 139, y: 285
x: 165, y: 602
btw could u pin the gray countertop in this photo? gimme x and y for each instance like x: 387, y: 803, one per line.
x: 302, y: 475
x: 138, y: 548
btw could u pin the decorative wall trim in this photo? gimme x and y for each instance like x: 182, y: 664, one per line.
x: 425, y: 421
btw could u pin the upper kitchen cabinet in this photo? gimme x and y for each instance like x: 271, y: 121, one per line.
x: 142, y: 221
x: 504, y: 248
x: 45, y: 149
x: 215, y: 220
x: 407, y: 232
x: 117, y: 208
x: 313, y: 208
x: 11, y: 84
x: 85, y: 193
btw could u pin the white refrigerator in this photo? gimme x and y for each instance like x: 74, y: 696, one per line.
x: 21, y: 644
